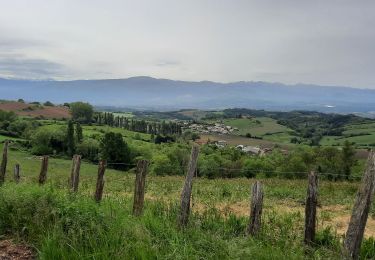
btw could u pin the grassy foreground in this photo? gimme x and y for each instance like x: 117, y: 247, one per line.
x: 60, y: 225
x: 63, y: 226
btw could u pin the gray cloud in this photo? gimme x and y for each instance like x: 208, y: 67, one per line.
x: 18, y: 66
x: 167, y: 63
x: 321, y: 42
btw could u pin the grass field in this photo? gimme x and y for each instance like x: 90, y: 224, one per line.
x: 234, y: 140
x: 65, y: 226
x: 264, y: 127
x: 123, y: 114
x: 363, y: 135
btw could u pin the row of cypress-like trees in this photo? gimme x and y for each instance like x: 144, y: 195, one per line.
x: 137, y: 125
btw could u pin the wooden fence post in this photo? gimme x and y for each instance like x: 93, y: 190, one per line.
x: 74, y: 175
x: 310, y: 209
x: 186, y: 192
x: 4, y: 161
x: 357, y: 224
x: 100, y: 181
x: 139, y: 189
x: 43, y: 170
x: 256, y: 209
x: 17, y: 173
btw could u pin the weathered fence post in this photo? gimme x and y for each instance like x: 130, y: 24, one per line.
x: 256, y: 209
x: 357, y: 224
x: 43, y: 170
x: 74, y: 175
x: 4, y: 161
x: 310, y: 209
x: 100, y: 181
x: 186, y: 192
x: 139, y: 190
x: 17, y: 173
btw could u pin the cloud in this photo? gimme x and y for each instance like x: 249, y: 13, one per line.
x: 320, y: 42
x: 167, y: 63
x: 18, y: 66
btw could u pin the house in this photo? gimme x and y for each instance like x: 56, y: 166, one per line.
x: 221, y: 143
x: 252, y: 150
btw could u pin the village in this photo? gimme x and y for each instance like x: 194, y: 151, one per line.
x: 216, y: 128
x: 222, y: 129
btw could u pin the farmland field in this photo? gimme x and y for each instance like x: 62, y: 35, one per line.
x: 32, y: 110
x: 217, y: 227
x: 234, y: 140
x: 264, y: 127
x: 363, y: 135
x: 124, y: 114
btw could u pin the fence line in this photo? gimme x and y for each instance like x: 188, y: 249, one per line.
x: 354, y: 233
x: 352, y: 177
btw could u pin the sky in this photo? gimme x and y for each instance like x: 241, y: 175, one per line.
x: 325, y: 42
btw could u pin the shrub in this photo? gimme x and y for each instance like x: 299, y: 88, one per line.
x: 89, y: 149
x: 115, y: 150
x: 40, y: 141
x: 162, y: 165
x: 48, y: 104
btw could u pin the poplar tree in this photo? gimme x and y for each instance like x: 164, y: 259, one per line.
x: 79, y: 133
x: 70, y: 143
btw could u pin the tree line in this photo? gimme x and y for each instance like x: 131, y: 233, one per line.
x: 155, y: 128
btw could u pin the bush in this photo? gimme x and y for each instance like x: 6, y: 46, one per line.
x: 89, y: 149
x: 162, y: 165
x: 209, y: 166
x: 40, y: 142
x: 48, y: 104
x: 45, y: 141
x: 115, y: 150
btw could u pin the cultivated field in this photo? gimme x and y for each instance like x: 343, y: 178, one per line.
x: 264, y: 127
x: 32, y: 110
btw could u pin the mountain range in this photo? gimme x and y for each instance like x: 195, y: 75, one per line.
x: 163, y: 94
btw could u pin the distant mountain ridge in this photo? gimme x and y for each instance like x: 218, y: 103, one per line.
x: 164, y: 94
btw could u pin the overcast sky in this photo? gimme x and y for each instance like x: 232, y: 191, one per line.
x: 328, y: 42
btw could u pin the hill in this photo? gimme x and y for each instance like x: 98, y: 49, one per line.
x: 163, y: 94
x: 35, y: 110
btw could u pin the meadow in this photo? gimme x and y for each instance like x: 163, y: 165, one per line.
x: 363, y: 135
x: 62, y: 225
x: 264, y: 127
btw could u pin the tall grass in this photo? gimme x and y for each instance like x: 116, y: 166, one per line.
x: 65, y: 226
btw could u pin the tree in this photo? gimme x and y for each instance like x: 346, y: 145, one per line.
x: 48, y: 104
x: 70, y: 142
x: 347, y: 159
x: 40, y: 141
x: 81, y: 112
x: 79, y: 133
x: 115, y: 150
x: 89, y: 149
x: 161, y: 165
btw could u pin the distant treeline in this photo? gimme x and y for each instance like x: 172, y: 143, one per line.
x: 155, y: 128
